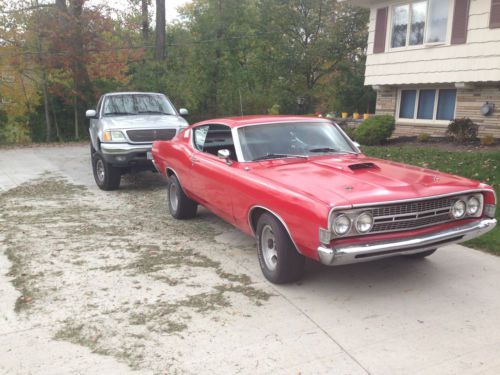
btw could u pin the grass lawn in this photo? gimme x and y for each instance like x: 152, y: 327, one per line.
x: 477, y: 165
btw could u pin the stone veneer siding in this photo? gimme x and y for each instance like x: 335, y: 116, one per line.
x: 469, y: 102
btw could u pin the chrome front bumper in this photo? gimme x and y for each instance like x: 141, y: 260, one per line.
x: 124, y: 148
x: 377, y: 250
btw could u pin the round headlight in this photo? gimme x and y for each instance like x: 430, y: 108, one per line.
x: 364, y: 222
x: 341, y: 225
x: 458, y: 209
x: 473, y: 206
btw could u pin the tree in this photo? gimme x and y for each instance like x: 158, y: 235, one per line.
x: 145, y: 20
x: 160, y: 30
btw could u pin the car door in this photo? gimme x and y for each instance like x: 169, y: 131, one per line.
x: 211, y: 178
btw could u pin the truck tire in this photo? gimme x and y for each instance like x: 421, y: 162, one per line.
x: 279, y: 260
x: 179, y: 204
x: 106, y: 176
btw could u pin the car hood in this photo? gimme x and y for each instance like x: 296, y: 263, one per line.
x: 144, y: 122
x: 357, y: 179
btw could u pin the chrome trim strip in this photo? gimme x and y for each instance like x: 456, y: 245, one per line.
x: 249, y: 218
x: 412, y: 245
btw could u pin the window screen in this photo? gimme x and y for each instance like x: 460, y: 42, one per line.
x: 426, y: 104
x: 446, y: 104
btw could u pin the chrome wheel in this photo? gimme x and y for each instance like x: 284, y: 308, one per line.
x: 100, y: 171
x: 172, y: 195
x: 268, y: 246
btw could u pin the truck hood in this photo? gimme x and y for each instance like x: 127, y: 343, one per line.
x: 357, y: 179
x: 143, y: 122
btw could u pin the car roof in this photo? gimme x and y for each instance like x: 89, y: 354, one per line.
x: 235, y: 122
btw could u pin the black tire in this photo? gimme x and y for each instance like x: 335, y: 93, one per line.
x: 180, y: 206
x: 287, y: 265
x: 421, y: 255
x: 106, y: 176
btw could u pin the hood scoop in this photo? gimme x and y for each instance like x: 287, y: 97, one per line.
x: 358, y: 166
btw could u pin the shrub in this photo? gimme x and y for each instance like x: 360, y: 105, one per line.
x: 462, y: 130
x: 274, y: 110
x: 423, y: 137
x: 375, y: 130
x: 487, y: 140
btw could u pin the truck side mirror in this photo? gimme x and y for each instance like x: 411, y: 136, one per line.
x: 183, y: 112
x: 91, y: 113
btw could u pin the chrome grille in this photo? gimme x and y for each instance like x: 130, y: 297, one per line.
x: 411, y: 215
x: 150, y: 135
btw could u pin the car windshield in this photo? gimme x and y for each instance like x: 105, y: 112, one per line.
x: 134, y: 104
x: 283, y: 140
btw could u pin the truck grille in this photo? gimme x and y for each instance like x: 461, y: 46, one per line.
x: 150, y: 135
x: 412, y: 215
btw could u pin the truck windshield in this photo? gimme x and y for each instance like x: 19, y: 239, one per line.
x: 285, y: 140
x: 134, y: 104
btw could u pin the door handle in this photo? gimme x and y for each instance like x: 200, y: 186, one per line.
x: 194, y: 159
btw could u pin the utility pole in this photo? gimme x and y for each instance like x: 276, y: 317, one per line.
x: 145, y: 21
x: 160, y: 30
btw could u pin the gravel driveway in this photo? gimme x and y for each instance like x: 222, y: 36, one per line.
x: 107, y: 282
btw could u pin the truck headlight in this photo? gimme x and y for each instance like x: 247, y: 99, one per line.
x: 113, y: 136
x: 341, y: 225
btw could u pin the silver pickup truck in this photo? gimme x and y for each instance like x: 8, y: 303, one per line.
x: 122, y: 130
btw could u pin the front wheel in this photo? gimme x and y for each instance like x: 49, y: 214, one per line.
x: 106, y: 176
x: 179, y: 204
x: 279, y: 260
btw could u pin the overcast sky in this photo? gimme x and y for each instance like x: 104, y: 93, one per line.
x: 170, y: 6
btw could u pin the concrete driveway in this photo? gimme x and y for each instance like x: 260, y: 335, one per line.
x: 107, y: 282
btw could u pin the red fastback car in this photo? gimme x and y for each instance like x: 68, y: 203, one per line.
x: 304, y: 189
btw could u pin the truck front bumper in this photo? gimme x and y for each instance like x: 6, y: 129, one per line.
x: 126, y: 154
x: 412, y: 245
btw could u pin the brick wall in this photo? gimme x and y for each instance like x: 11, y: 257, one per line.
x: 386, y: 101
x: 469, y: 102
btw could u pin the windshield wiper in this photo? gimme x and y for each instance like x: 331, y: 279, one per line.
x: 329, y: 149
x: 279, y: 156
x: 120, y: 114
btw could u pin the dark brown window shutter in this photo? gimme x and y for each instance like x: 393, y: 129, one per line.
x: 460, y: 22
x: 380, y: 30
x: 495, y: 14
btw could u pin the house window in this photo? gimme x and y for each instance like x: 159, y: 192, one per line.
x: 419, y: 22
x: 427, y: 104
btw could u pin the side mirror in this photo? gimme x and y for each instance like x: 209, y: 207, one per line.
x: 225, y: 154
x: 91, y: 113
x: 183, y: 112
x: 356, y: 144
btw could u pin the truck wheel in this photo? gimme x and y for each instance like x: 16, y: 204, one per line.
x: 179, y: 205
x: 421, y: 255
x: 279, y: 260
x: 106, y: 176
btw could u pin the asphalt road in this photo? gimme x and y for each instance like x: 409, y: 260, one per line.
x: 440, y: 315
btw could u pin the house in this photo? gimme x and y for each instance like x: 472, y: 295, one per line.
x: 435, y: 60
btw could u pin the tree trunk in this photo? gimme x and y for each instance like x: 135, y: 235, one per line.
x: 145, y: 21
x: 160, y: 30
x: 75, y: 108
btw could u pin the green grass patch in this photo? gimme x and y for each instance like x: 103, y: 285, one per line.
x: 477, y: 165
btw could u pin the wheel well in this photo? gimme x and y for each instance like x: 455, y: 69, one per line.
x: 254, y: 217
x: 255, y: 214
x: 170, y: 172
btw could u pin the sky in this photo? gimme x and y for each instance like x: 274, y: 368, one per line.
x: 170, y: 6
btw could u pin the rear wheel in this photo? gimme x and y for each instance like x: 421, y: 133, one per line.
x: 106, y: 176
x: 421, y: 255
x: 179, y: 204
x: 279, y: 260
